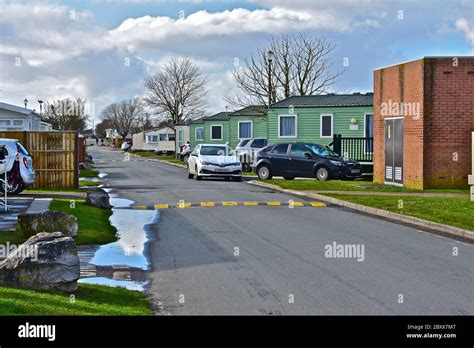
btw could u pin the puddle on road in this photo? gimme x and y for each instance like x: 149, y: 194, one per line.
x: 129, y: 284
x: 134, y: 230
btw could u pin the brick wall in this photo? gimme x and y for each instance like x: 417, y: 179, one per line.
x: 400, y: 84
x: 449, y: 97
x: 437, y: 141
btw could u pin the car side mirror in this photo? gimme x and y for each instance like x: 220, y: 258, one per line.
x: 307, y: 155
x: 194, y: 154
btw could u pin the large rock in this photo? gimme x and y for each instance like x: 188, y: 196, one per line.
x: 48, y: 221
x: 46, y: 261
x: 97, y: 197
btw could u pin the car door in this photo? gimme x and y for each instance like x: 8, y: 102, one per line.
x: 300, y: 163
x: 279, y: 159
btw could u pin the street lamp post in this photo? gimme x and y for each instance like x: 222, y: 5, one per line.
x: 25, y: 102
x: 270, y: 59
x: 41, y: 107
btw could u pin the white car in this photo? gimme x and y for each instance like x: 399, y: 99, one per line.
x: 210, y: 160
x: 247, y: 150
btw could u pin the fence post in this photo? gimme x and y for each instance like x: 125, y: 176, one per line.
x: 76, y: 162
x: 336, y: 143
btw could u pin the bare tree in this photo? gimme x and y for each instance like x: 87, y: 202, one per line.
x: 177, y: 91
x: 102, y: 126
x: 66, y: 114
x: 301, y: 65
x: 123, y: 115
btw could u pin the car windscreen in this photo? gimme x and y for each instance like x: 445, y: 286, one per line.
x: 243, y: 142
x: 216, y: 151
x: 258, y: 143
x: 22, y: 149
x: 322, y: 151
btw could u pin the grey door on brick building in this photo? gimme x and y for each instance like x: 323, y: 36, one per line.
x: 394, y: 150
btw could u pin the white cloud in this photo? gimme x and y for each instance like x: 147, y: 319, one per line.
x: 467, y: 28
x: 147, y: 30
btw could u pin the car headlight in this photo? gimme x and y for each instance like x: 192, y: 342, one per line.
x: 235, y: 164
x: 206, y: 163
x: 336, y: 163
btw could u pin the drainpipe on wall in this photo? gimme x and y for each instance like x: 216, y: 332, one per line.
x: 471, y: 177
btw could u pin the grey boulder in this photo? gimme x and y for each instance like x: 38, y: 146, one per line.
x: 48, y: 221
x: 46, y: 261
x: 97, y: 197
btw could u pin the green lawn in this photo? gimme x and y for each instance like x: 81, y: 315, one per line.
x: 94, y: 224
x: 151, y: 154
x: 89, y: 300
x: 88, y: 173
x: 145, y: 154
x: 88, y: 183
x: 348, y: 185
x: 457, y: 212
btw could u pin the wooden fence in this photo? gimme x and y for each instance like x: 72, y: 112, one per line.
x: 55, y: 157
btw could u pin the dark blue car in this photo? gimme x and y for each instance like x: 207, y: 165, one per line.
x: 306, y: 160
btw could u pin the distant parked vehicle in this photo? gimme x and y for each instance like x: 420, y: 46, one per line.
x: 126, y: 146
x: 292, y: 160
x: 185, y: 152
x: 247, y: 150
x: 209, y: 160
x: 18, y: 165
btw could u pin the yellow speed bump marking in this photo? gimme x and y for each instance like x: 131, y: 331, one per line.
x: 275, y: 204
x: 250, y: 203
x: 317, y: 204
x: 161, y: 206
x: 183, y: 205
x: 140, y: 207
x: 229, y: 204
x: 297, y: 204
x: 208, y: 204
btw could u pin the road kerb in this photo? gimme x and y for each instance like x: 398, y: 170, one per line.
x: 430, y: 225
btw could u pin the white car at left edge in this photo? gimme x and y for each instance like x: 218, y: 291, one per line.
x: 211, y: 160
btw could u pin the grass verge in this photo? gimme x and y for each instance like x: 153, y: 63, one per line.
x: 89, y: 300
x: 94, y: 224
x: 150, y: 154
x: 89, y: 183
x: 88, y: 173
x: 456, y: 212
x: 356, y: 185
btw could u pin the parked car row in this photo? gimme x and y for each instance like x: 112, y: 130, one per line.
x: 18, y: 165
x: 289, y: 160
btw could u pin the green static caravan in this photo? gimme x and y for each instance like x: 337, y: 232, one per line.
x: 342, y: 121
x: 249, y: 122
x: 229, y: 127
x: 210, y: 130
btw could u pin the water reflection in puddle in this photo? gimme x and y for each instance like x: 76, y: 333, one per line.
x: 134, y: 231
x: 131, y: 285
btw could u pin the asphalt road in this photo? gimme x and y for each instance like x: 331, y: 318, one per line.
x: 271, y: 260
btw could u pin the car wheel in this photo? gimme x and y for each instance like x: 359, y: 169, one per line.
x: 197, y: 176
x: 190, y: 176
x: 322, y: 174
x: 236, y: 178
x: 15, y: 188
x: 264, y: 172
x: 289, y: 177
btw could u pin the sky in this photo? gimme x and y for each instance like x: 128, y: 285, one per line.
x: 103, y: 50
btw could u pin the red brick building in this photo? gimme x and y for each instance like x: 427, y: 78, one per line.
x: 423, y: 119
